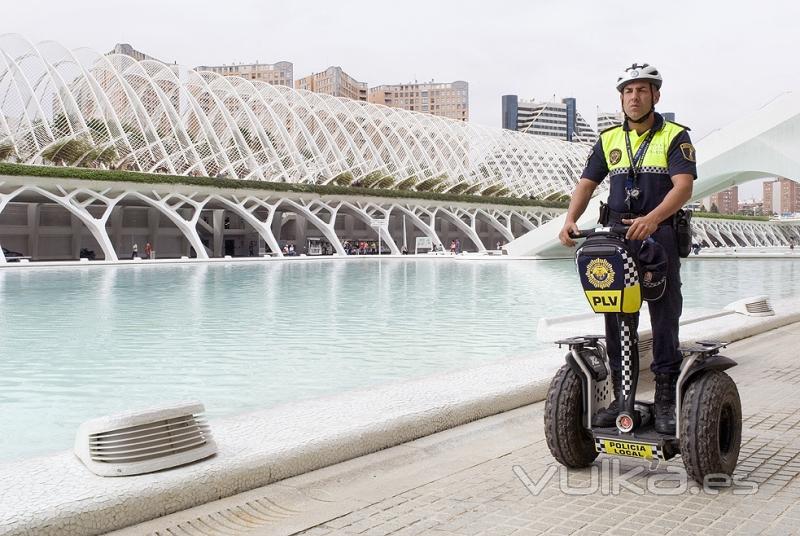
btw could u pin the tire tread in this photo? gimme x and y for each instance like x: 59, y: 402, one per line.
x: 568, y: 441
x: 700, y: 413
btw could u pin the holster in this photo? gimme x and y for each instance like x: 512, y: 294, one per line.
x: 683, y: 228
x: 605, y: 214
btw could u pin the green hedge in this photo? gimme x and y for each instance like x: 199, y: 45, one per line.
x: 717, y: 216
x: 152, y: 178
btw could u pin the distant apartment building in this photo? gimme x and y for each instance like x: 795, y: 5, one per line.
x: 606, y: 120
x: 127, y: 50
x: 445, y: 99
x: 751, y: 208
x: 556, y: 119
x: 781, y: 196
x: 276, y: 74
x: 107, y: 80
x: 769, y: 190
x: 726, y: 201
x: 334, y: 81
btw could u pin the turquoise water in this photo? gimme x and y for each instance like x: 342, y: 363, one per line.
x: 83, y: 342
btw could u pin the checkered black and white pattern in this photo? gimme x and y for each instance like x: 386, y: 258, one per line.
x: 601, y: 448
x: 631, y: 274
x: 598, y: 445
x: 627, y: 338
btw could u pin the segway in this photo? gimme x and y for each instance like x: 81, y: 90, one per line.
x: 708, y: 409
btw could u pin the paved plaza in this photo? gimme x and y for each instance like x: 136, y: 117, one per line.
x: 495, y: 476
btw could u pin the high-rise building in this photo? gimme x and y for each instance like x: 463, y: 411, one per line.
x: 769, y: 191
x: 277, y: 74
x: 726, y: 201
x: 445, y: 99
x: 781, y: 196
x: 127, y: 50
x: 107, y: 81
x: 556, y: 119
x: 333, y: 81
x: 606, y: 120
x: 790, y: 196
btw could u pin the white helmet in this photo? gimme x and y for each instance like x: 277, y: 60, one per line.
x: 637, y: 71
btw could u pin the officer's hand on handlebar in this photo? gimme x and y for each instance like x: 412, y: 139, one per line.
x: 570, y: 228
x: 640, y: 228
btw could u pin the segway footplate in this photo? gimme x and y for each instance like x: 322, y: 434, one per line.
x: 645, y: 444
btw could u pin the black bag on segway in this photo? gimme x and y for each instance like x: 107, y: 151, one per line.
x: 609, y: 274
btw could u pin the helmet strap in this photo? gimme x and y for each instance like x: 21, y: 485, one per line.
x: 646, y: 116
x: 642, y: 119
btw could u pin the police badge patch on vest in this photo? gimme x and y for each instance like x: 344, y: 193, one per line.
x: 687, y: 149
x: 616, y: 155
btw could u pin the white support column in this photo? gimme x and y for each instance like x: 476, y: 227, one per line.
x: 75, y: 236
x: 455, y: 213
x: 415, y: 213
x: 34, y: 210
x: 300, y: 227
x: 218, y: 232
x: 309, y: 209
x: 492, y: 218
x: 116, y: 227
x: 5, y: 199
x: 96, y: 226
x: 370, y: 212
x: 246, y: 209
x: 153, y: 218
x: 169, y: 205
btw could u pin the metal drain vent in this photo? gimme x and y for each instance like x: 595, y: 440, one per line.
x: 753, y: 306
x: 145, y: 441
x: 241, y: 519
x: 645, y: 346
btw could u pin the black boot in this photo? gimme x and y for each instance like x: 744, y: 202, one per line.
x: 608, y: 416
x: 665, y: 403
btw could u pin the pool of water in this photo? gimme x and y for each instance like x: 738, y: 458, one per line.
x: 83, y: 342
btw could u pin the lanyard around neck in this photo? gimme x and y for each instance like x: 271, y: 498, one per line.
x: 635, y: 161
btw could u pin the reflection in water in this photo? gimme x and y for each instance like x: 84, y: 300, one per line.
x: 88, y: 341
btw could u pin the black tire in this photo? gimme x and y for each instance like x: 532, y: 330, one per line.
x: 711, y: 427
x: 570, y: 443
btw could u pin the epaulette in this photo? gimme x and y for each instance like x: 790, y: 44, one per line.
x: 674, y: 123
x: 612, y: 127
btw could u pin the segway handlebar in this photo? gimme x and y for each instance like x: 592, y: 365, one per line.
x: 616, y: 229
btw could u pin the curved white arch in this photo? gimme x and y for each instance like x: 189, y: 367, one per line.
x: 163, y: 118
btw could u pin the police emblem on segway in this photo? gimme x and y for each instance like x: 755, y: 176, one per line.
x: 600, y: 273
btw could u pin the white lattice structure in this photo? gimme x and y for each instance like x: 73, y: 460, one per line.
x: 763, y: 144
x: 193, y: 213
x: 712, y: 233
x: 162, y: 118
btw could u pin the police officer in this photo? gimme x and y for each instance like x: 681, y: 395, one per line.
x: 650, y: 163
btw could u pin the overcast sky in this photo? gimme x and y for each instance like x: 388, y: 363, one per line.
x: 719, y: 59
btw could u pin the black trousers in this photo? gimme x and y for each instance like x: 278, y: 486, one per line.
x: 664, y: 313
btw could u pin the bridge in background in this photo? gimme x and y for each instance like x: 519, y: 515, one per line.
x: 763, y: 144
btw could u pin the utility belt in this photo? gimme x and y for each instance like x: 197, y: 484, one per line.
x: 681, y: 221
